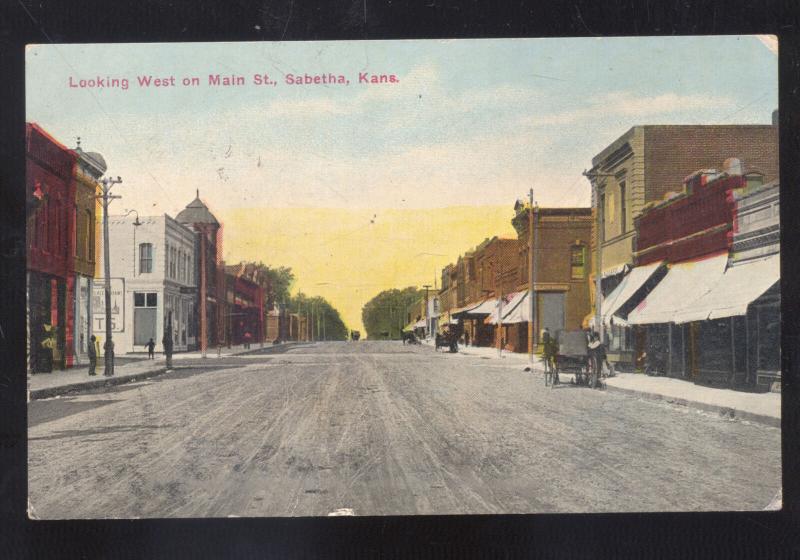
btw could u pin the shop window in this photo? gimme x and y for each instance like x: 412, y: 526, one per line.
x: 145, y: 258
x: 769, y: 338
x: 715, y: 346
x: 578, y: 262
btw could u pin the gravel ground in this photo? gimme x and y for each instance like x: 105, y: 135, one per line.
x: 378, y: 428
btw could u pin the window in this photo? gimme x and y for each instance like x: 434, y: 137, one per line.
x: 612, y: 208
x: 145, y: 258
x: 75, y: 233
x: 578, y: 262
x: 602, y: 206
x: 88, y: 238
x: 145, y: 299
x: 623, y: 210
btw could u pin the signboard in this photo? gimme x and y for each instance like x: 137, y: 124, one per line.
x: 117, y: 305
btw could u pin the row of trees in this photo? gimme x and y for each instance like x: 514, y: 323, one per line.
x: 324, y: 318
x: 326, y: 323
x: 386, y: 314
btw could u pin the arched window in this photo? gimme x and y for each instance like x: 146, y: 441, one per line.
x: 145, y: 258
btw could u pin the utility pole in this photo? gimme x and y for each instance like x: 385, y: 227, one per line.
x: 203, y: 292
x: 499, y: 290
x: 106, y: 197
x: 531, y: 276
x: 427, y: 315
x: 599, y: 237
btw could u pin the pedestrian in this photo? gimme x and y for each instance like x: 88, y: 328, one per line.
x: 548, y: 350
x: 167, y: 344
x: 92, y: 351
x: 247, y: 337
x: 151, y: 346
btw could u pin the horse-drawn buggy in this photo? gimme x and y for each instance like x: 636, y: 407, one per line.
x: 573, y: 355
x: 447, y: 339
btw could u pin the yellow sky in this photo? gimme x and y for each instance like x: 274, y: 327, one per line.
x: 349, y: 255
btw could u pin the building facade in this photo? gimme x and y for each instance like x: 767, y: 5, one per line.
x: 50, y: 200
x: 562, y: 267
x: 90, y: 167
x: 648, y: 162
x: 153, y: 283
x: 713, y: 315
x: 208, y: 272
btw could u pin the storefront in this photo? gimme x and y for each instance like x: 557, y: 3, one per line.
x: 715, y: 325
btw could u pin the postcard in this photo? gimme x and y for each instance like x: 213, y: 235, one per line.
x: 419, y: 277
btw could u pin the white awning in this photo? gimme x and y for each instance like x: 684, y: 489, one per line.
x: 739, y: 286
x: 684, y: 283
x: 519, y: 309
x: 421, y: 324
x: 460, y: 310
x: 492, y: 319
x: 612, y: 270
x: 484, y: 308
x: 629, y: 285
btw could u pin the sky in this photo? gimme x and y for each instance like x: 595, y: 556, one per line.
x: 372, y: 186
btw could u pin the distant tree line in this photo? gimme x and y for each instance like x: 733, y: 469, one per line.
x: 386, y: 314
x: 326, y: 322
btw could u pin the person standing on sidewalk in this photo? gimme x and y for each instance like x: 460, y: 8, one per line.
x: 151, y: 346
x: 92, y: 351
x: 167, y: 344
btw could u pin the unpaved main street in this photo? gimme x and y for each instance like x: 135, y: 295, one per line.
x: 382, y: 429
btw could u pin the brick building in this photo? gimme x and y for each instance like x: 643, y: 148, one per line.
x: 711, y: 257
x: 562, y: 268
x: 210, y: 276
x: 50, y: 232
x: 645, y: 164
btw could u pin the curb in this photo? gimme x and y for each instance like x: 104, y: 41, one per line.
x: 93, y: 384
x: 103, y: 381
x: 724, y: 411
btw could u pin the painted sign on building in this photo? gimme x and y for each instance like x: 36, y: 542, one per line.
x: 117, y: 305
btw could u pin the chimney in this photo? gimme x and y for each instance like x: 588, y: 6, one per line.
x: 732, y: 166
x: 775, y: 117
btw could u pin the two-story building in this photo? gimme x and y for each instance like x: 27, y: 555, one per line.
x: 153, y: 283
x: 90, y: 167
x: 209, y: 274
x: 643, y: 165
x: 50, y: 201
x: 561, y: 267
x: 713, y: 314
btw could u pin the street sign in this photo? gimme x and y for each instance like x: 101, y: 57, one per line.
x: 117, y: 305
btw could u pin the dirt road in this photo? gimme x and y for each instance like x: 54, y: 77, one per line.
x: 382, y: 429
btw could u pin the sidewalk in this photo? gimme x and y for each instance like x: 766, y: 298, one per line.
x: 46, y: 385
x: 764, y: 408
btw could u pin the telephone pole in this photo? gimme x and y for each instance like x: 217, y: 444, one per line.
x: 427, y: 315
x: 532, y: 275
x: 106, y: 197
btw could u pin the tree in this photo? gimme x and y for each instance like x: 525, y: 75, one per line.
x: 327, y: 322
x: 385, y: 315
